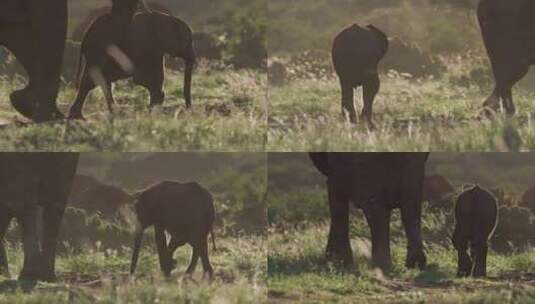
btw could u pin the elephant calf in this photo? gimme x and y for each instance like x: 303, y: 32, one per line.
x: 140, y: 55
x: 356, y: 53
x: 185, y: 211
x: 475, y: 219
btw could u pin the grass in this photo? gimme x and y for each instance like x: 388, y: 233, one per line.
x: 298, y: 273
x: 102, y: 276
x: 228, y: 114
x: 409, y: 115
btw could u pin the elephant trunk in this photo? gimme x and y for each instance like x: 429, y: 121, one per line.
x: 137, y: 246
x: 190, y: 63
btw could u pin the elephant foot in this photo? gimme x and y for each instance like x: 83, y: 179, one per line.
x: 49, y: 277
x: 342, y: 259
x: 50, y: 114
x: 21, y: 101
x: 29, y: 275
x: 416, y: 259
x: 73, y: 115
x: 478, y: 273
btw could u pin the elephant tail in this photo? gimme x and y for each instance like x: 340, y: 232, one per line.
x: 137, y: 245
x: 213, y: 238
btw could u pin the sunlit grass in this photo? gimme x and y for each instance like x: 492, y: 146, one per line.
x: 298, y: 271
x: 409, y: 115
x: 229, y: 114
x: 102, y: 276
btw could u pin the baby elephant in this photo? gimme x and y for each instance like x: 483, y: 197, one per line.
x: 183, y: 210
x: 140, y: 55
x: 356, y: 54
x: 476, y: 212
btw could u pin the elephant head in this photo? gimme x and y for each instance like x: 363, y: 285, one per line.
x: 175, y: 38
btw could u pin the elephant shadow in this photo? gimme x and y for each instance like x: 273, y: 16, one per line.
x: 11, y: 286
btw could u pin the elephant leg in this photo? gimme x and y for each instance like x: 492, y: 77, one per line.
x: 193, y: 261
x: 52, y: 217
x: 49, y: 26
x: 464, y: 262
x: 174, y: 243
x: 378, y: 218
x: 152, y: 79
x: 85, y: 86
x: 479, y: 250
x: 493, y: 101
x: 5, y: 219
x: 348, y: 105
x: 506, y: 91
x: 370, y: 90
x: 31, y: 269
x: 108, y: 94
x: 22, y: 99
x: 208, y: 271
x: 163, y: 252
x: 338, y: 245
x: 155, y: 88
x: 411, y: 217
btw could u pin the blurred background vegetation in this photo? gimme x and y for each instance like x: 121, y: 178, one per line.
x: 298, y: 196
x: 428, y: 38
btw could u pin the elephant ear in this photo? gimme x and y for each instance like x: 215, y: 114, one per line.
x: 383, y: 38
x: 321, y: 162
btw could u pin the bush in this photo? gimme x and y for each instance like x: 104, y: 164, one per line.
x: 247, y: 41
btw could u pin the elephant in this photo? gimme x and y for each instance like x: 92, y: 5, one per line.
x: 508, y: 32
x: 356, y: 53
x: 375, y: 183
x: 34, y: 31
x: 148, y: 38
x: 34, y: 187
x: 476, y: 211
x: 185, y: 211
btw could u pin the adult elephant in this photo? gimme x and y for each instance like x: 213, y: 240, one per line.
x: 34, y: 31
x: 508, y: 31
x: 30, y: 183
x: 375, y: 183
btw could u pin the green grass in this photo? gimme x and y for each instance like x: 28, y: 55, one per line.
x: 102, y: 276
x: 229, y: 114
x: 298, y: 272
x: 409, y: 115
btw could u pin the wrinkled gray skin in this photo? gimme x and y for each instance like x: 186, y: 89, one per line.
x: 476, y: 212
x: 375, y: 183
x: 356, y: 53
x: 149, y: 37
x: 35, y: 185
x: 183, y: 210
x: 508, y: 30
